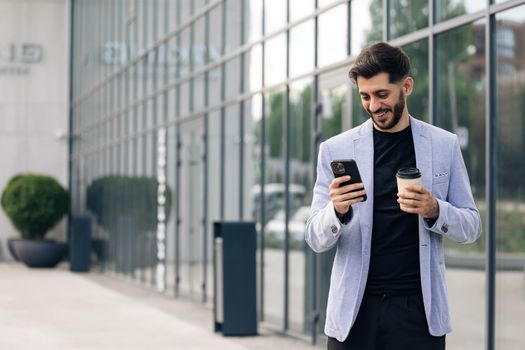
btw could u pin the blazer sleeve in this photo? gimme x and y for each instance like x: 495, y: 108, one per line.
x: 458, y: 218
x: 323, y: 227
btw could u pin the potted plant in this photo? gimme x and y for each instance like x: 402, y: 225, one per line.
x: 35, y: 203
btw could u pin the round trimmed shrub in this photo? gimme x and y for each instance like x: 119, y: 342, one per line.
x: 112, y: 197
x: 34, y: 204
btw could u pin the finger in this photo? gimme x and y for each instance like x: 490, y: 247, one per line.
x: 416, y: 188
x: 409, y: 202
x: 410, y: 195
x: 410, y: 210
x: 352, y: 187
x: 350, y: 195
x: 338, y: 181
x: 350, y: 202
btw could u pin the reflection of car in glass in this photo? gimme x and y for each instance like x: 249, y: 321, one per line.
x: 296, y: 225
x: 274, y: 199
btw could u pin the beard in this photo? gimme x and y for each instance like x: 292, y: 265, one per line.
x: 397, y: 113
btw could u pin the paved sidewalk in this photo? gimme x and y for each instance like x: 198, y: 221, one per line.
x: 56, y: 309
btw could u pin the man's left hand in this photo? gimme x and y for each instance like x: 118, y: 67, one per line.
x: 416, y: 199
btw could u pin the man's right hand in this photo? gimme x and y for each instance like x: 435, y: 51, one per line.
x: 343, y: 197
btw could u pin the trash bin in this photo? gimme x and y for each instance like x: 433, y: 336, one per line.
x: 80, y: 244
x: 235, y: 304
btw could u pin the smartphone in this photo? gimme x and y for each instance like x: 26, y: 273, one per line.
x: 344, y: 167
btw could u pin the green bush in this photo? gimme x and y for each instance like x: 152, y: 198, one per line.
x: 34, y: 204
x: 110, y: 198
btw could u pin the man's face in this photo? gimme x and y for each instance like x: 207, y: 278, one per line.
x: 385, y: 101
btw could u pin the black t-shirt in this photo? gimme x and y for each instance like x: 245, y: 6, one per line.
x: 394, y: 260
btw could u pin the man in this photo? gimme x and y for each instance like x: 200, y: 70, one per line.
x: 387, y: 287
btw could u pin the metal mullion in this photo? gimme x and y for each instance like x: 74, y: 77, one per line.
x: 286, y: 141
x: 223, y: 115
x: 205, y: 160
x: 70, y: 139
x: 143, y: 126
x: 490, y: 156
x: 164, y: 118
x: 316, y: 260
x: 241, y: 116
x: 494, y: 8
x: 432, y: 86
x: 386, y: 20
x: 263, y: 168
x: 177, y: 162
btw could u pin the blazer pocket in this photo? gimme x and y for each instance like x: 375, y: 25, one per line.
x: 440, y: 177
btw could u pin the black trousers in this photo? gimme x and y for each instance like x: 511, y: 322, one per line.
x: 390, y: 322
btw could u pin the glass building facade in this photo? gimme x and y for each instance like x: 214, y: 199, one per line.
x: 185, y: 112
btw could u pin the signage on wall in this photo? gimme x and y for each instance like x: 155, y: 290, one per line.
x: 17, y: 58
x: 117, y: 53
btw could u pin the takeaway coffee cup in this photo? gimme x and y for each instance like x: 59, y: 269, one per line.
x: 407, y: 176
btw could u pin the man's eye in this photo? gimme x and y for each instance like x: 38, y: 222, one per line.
x: 365, y: 98
x: 382, y: 95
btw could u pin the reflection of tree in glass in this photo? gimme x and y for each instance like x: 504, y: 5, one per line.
x: 276, y: 124
x: 416, y: 11
x: 418, y: 100
x: 300, y: 140
x: 331, y: 125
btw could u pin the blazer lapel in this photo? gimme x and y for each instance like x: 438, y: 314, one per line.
x: 423, y: 149
x: 364, y: 157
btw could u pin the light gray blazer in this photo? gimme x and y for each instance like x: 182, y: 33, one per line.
x: 439, y: 158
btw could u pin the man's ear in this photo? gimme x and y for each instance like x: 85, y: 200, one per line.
x: 408, y: 85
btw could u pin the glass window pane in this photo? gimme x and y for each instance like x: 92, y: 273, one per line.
x: 214, y: 86
x: 274, y: 206
x: 332, y: 35
x: 254, y: 22
x: 252, y: 156
x: 192, y: 197
x: 460, y: 108
x: 214, y: 180
x: 183, y: 53
x: 418, y: 100
x: 231, y: 163
x: 299, y: 200
x: 254, y: 64
x: 300, y: 9
x: 232, y: 84
x: 367, y: 23
x: 198, y: 46
x: 198, y: 93
x: 274, y: 15
x: 215, y: 34
x: 302, y: 48
x: 233, y: 24
x: 401, y: 10
x: 446, y: 9
x: 510, y: 172
x: 275, y: 60
x: 184, y: 99
x: 322, y: 3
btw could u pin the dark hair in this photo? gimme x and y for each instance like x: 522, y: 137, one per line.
x: 381, y: 58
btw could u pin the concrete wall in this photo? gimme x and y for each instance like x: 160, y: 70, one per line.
x: 34, y: 85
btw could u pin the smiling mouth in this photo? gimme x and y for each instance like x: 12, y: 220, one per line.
x: 381, y: 115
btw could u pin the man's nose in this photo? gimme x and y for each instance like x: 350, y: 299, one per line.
x: 375, y: 105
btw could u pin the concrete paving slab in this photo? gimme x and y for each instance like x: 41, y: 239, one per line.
x: 56, y: 309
